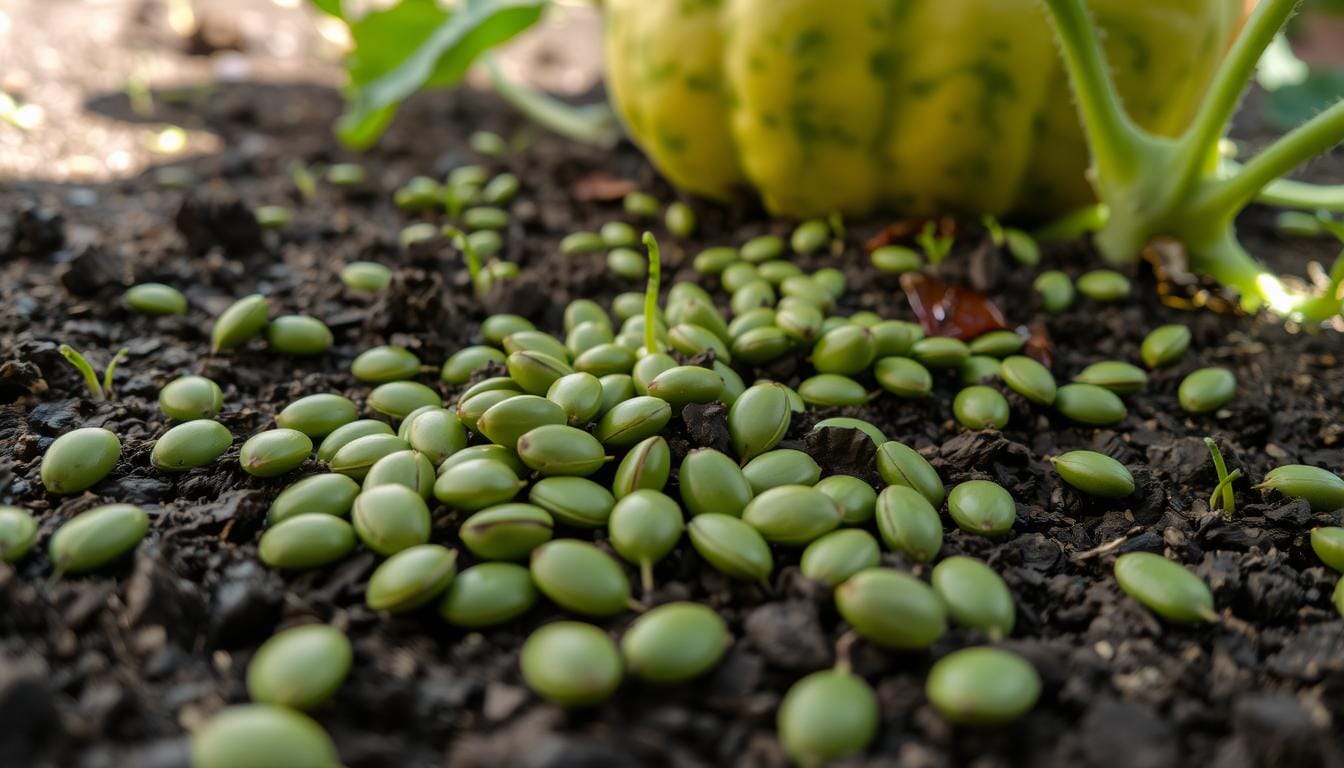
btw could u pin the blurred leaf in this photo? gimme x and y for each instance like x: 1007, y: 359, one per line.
x: 330, y: 7
x: 1292, y: 105
x: 1279, y: 66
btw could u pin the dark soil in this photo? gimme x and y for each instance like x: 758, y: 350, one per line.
x: 113, y: 668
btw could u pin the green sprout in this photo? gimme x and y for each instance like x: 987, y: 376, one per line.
x: 1021, y: 245
x: 480, y: 280
x: 98, y: 390
x: 1223, y: 496
x: 1152, y: 186
x: 935, y: 246
x: 837, y: 224
x: 651, y: 294
x: 304, y: 180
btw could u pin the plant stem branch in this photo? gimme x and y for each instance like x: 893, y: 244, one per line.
x: 1287, y: 193
x: 1074, y: 225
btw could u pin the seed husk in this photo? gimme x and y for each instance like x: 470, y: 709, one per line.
x: 274, y: 452
x: 826, y: 716
x: 300, y: 667
x: 477, y: 484
x: 1165, y: 345
x: 1323, y: 489
x: 832, y: 390
x: 1119, y: 377
x: 575, y: 501
x: 644, y: 527
x: 645, y: 466
x: 783, y: 466
x: 436, y: 433
x: 978, y: 368
x: 535, y: 372
x: 685, y: 384
x: 1056, y: 291
x: 488, y: 594
x: 940, y: 352
x: 731, y: 546
x: 855, y: 497
x: 838, y: 555
x: 460, y: 366
x: 558, y: 449
x: 981, y: 407
x: 908, y: 523
x: 1164, y: 587
x: 97, y: 537
x: 974, y: 595
x: 260, y: 735
x: 356, y: 457
x: 1328, y: 544
x: 306, y: 540
x: 1029, y: 379
x: 712, y: 483
x: 535, y: 341
x: 983, y: 686
x: 298, y: 335
x: 633, y: 420
x: 499, y: 453
x: 409, y: 469
x: 191, y: 397
x: 899, y: 464
x: 759, y: 419
x: 399, y: 398
x: 496, y: 328
x: 675, y: 642
x: 317, y: 415
x: 982, y: 507
x: 1207, y: 389
x: 507, y: 421
x: 379, y: 365
x: 571, y: 664
x: 390, y: 518
x: 892, y: 609
x: 411, y: 578
x: 18, y: 533
x: 328, y: 494
x: 1000, y: 343
x: 79, y: 459
x: 793, y: 515
x: 366, y: 276
x: 1095, y: 474
x: 761, y: 345
x: 846, y: 422
x: 189, y: 445
x: 156, y: 299
x: 580, y: 578
x: 579, y: 395
x: 903, y: 377
x: 1103, y: 285
x: 238, y: 324
x: 506, y: 531
x: 1089, y: 404
x: 896, y: 259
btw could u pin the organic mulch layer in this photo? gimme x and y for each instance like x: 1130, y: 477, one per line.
x: 112, y: 668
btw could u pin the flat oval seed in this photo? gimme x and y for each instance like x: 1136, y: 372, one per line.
x: 262, y: 736
x: 409, y: 469
x: 535, y: 341
x: 1119, y: 377
x: 810, y: 236
x: 1055, y: 289
x: 893, y: 338
x: 1164, y: 345
x: 307, y: 540
x: 366, y: 276
x: 575, y: 501
x: 940, y: 351
x: 892, y: 609
x: 826, y: 716
x: 355, y: 458
x: 471, y: 409
x: 347, y: 433
x: 379, y: 365
x: 274, y: 452
x: 571, y: 664
x: 686, y: 384
x: 1095, y: 474
x: 1207, y: 389
x: 460, y: 366
x: 731, y: 546
x: 18, y: 533
x: 644, y: 527
x: 896, y: 259
x: 581, y: 578
x: 645, y: 466
x: 845, y: 422
x: 477, y: 484
x: 762, y: 248
x: 79, y: 459
x: 95, y: 538
x: 399, y: 398
x: 983, y: 686
x: 974, y: 595
x: 1323, y: 490
x: 792, y: 515
x: 238, y: 324
x: 802, y: 322
x: 191, y: 397
x: 627, y: 263
x: 908, y: 523
x: 1089, y: 404
x: 579, y: 395
x: 317, y: 415
x: 1166, y: 588
x: 490, y: 451
x: 298, y: 335
x: 507, y: 421
x: 156, y: 299
x: 488, y: 594
x: 411, y: 578
x: 633, y: 420
x: 616, y: 388
x: 535, y: 372
x: 647, y: 368
x: 506, y: 531
x: 189, y: 445
x: 557, y: 449
x: 761, y: 345
x: 1029, y: 379
x: 827, y: 390
x: 674, y: 643
x: 981, y: 407
x: 680, y: 219
x: 759, y: 419
x: 329, y: 494
x: 1001, y: 343
x: 436, y: 433
x: 1103, y: 285
x: 978, y: 368
x: 1328, y: 544
x: 390, y: 518
x: 846, y: 350
x: 903, y: 377
x: 691, y: 339
x: 587, y: 336
x: 838, y: 555
x: 899, y: 464
x: 784, y: 466
x: 855, y: 498
x: 712, y: 483
x: 982, y: 507
x: 300, y: 667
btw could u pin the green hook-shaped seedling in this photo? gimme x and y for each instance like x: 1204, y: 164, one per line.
x: 99, y: 391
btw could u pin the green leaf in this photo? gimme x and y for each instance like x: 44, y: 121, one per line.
x: 330, y: 7
x: 416, y: 44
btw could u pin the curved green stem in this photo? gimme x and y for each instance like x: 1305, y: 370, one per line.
x: 1287, y: 193
x: 651, y: 294
x: 1073, y: 225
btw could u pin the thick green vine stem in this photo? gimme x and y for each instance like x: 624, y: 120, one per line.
x: 651, y: 294
x: 1151, y: 186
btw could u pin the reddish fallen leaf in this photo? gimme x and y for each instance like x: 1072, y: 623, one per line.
x: 1040, y: 347
x: 601, y: 187
x: 903, y: 232
x: 950, y: 310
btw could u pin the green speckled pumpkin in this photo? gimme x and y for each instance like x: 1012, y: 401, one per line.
x: 905, y: 106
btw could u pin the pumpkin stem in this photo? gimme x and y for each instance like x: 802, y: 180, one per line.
x: 1287, y: 193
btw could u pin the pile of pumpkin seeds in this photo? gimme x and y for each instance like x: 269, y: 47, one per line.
x: 571, y: 441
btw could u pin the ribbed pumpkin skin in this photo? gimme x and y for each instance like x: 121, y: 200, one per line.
x: 899, y: 106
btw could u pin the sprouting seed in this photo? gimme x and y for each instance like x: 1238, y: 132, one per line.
x: 98, y: 390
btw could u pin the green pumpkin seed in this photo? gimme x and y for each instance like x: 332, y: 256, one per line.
x: 680, y: 219
x: 908, y: 523
x: 981, y: 407
x: 1089, y: 404
x: 499, y: 453
x: 892, y: 609
x: 633, y: 420
x: 1095, y: 474
x: 1103, y: 285
x: 355, y: 458
x: 983, y: 686
x: 156, y: 299
x: 580, y: 578
x: 436, y: 433
x: 535, y: 372
x: 1165, y: 346
x: 579, y: 395
x: 762, y: 248
x: 1029, y: 379
x: 845, y: 422
x: 571, y: 664
x: 792, y: 515
x: 1323, y: 490
x: 256, y: 735
x: 940, y: 352
x: 575, y: 501
x: 298, y: 335
x: 896, y: 259
x: 582, y: 311
x: 750, y: 320
x: 738, y: 274
x: 300, y: 668
x: 805, y: 288
x: 274, y: 452
x: 685, y: 384
x: 802, y: 323
x: 616, y: 388
x: 501, y: 189
x: 982, y: 507
x: 471, y: 409
x: 418, y: 194
x: 903, y: 377
x: 733, y: 385
x: 477, y: 484
x: 18, y: 533
x: 856, y: 499
x: 1121, y: 378
x: 784, y: 466
x: 674, y: 643
x: 366, y: 276
x: 629, y: 304
x: 328, y: 494
x: 1001, y: 343
x: 895, y: 338
x: 626, y: 263
x: 317, y: 415
x: 379, y: 365
x: 978, y: 368
x: 899, y: 464
x: 97, y: 537
x: 390, y: 518
x: 460, y: 366
x: 832, y: 390
x: 535, y: 341
x: 641, y: 204
x: 759, y: 419
x: 79, y: 459
x: 776, y: 272
x: 491, y: 384
x: 1164, y: 587
x: 409, y: 469
x: 1056, y: 291
x: 827, y: 716
x: 616, y: 234
x: 581, y: 242
x: 838, y: 555
x: 345, y: 434
x: 713, y: 261
x: 1328, y: 544
x: 692, y: 339
x: 753, y: 295
x: 507, y: 421
x: 644, y: 527
x: 647, y: 368
x: 488, y: 594
x: 645, y: 466
x: 1207, y: 389
x: 399, y: 398
x: 306, y: 540
x: 506, y: 531
x: 731, y: 546
x: 238, y: 324
x: 496, y: 328
x: 485, y: 217
x: 761, y: 345
x: 557, y: 449
x: 810, y: 236
x: 411, y: 578
x: 587, y: 336
x: 189, y: 445
x: 191, y: 397
x: 712, y: 483
x: 974, y: 595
